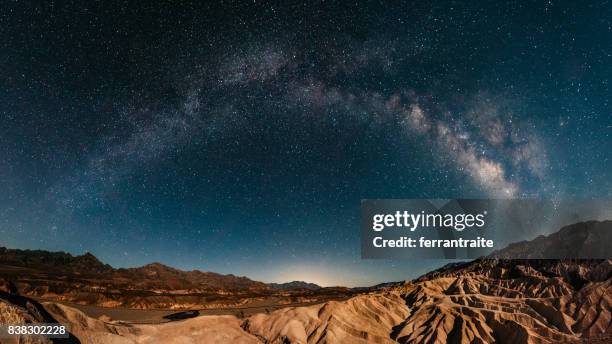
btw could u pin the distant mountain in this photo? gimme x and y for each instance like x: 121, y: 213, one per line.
x: 39, y: 259
x: 162, y: 276
x: 84, y: 279
x: 582, y: 240
x: 385, y: 285
x: 294, y: 285
x: 151, y: 276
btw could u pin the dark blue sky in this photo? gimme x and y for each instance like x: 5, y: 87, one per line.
x: 240, y: 138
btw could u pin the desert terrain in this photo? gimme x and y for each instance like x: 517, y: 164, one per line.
x: 489, y: 300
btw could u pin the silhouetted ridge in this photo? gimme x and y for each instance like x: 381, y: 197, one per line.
x: 583, y: 240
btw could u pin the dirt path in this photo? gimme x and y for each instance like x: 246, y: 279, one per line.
x: 158, y: 316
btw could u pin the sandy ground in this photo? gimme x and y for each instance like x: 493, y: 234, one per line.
x: 157, y: 316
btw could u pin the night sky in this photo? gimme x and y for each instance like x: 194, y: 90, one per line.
x: 240, y: 138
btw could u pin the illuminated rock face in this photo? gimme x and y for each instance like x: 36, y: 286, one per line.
x: 484, y: 301
x: 510, y: 301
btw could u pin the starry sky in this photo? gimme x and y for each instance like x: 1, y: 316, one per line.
x: 240, y: 137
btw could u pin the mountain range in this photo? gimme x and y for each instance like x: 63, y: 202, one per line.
x: 85, y: 280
